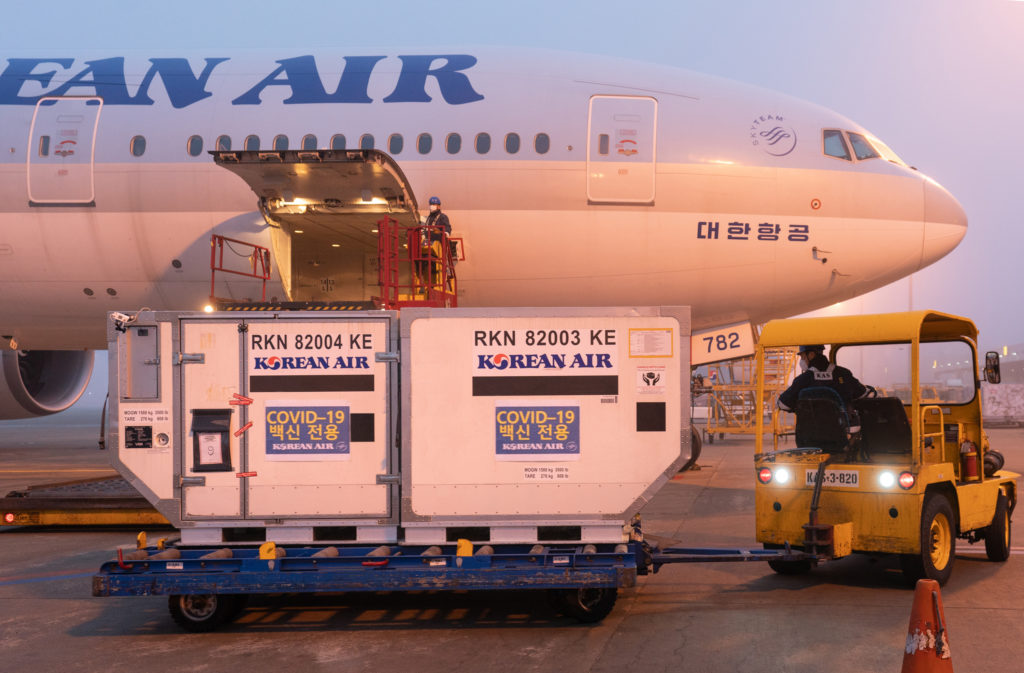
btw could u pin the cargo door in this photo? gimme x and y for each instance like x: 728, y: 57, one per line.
x: 319, y: 442
x: 622, y: 132
x: 211, y: 455
x: 324, y: 206
x: 61, y: 147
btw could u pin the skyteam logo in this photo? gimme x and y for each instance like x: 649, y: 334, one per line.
x: 772, y: 135
x: 503, y: 361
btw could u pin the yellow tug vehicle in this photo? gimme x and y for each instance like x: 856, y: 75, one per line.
x: 884, y: 474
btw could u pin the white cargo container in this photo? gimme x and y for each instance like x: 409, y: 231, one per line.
x: 534, y: 424
x: 241, y: 427
x: 517, y: 425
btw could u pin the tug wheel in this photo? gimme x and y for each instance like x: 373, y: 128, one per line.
x: 938, y: 543
x: 997, y: 535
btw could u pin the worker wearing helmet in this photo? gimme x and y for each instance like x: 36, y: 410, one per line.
x: 818, y: 371
x: 437, y: 221
x: 433, y: 236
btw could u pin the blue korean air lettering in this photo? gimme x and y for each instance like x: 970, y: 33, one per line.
x: 275, y: 363
x: 106, y: 79
x: 502, y: 361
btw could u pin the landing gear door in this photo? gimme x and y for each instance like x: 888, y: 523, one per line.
x: 319, y: 446
x: 621, y: 149
x: 211, y: 454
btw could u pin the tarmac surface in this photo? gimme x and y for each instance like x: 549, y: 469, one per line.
x: 850, y: 615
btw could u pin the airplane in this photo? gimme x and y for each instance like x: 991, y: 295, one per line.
x: 571, y: 180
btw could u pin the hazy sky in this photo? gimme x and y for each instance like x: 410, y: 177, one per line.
x: 940, y: 81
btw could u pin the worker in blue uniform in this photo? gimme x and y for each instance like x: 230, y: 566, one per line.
x: 819, y: 372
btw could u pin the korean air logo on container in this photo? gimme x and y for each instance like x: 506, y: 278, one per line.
x: 275, y: 363
x: 772, y: 135
x: 503, y: 361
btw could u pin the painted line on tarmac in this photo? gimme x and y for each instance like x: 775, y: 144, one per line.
x: 981, y: 552
x: 10, y: 581
x: 49, y: 471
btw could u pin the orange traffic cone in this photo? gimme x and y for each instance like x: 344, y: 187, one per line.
x: 927, y: 649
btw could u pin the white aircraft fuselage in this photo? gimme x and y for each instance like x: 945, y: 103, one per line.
x: 571, y: 180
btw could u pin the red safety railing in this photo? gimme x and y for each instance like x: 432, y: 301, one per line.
x: 417, y: 265
x: 257, y: 256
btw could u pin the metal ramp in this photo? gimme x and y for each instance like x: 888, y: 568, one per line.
x: 732, y: 394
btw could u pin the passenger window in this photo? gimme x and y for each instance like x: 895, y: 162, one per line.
x: 483, y: 143
x: 395, y: 143
x: 861, y: 147
x: 195, y: 146
x: 337, y: 142
x: 542, y: 143
x: 44, y: 146
x: 309, y: 142
x: 138, y: 146
x: 223, y: 143
x: 453, y: 143
x: 602, y: 143
x: 366, y: 142
x: 251, y: 143
x: 280, y: 143
x: 835, y: 144
x: 424, y: 143
x: 512, y: 143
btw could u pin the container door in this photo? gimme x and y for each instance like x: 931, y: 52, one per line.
x: 211, y: 454
x: 622, y: 132
x: 319, y: 410
x: 61, y: 148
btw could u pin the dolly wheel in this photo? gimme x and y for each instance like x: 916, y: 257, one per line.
x: 588, y: 604
x: 997, y: 535
x: 200, y: 613
x: 938, y: 543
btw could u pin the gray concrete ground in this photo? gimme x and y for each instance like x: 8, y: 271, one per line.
x: 851, y: 615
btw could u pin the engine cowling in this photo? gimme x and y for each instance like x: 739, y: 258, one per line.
x: 37, y: 383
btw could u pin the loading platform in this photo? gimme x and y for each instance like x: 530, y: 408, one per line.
x: 100, y: 501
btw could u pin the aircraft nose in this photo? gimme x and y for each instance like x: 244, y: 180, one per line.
x: 945, y: 222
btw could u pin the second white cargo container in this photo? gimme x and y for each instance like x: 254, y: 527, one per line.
x: 539, y: 424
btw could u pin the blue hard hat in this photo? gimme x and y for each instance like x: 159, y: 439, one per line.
x: 434, y: 201
x: 817, y: 348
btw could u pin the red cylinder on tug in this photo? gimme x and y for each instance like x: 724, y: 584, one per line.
x: 968, y: 460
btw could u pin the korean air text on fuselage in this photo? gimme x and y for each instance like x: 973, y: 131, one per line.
x: 107, y: 79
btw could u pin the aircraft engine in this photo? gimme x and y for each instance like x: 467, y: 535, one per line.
x: 37, y: 383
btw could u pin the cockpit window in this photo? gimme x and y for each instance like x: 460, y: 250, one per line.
x: 835, y: 144
x: 886, y: 151
x: 861, y: 147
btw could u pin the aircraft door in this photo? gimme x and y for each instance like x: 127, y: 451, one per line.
x: 622, y: 135
x: 211, y: 454
x: 61, y: 147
